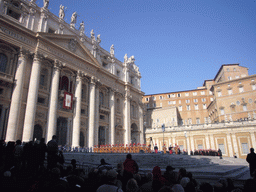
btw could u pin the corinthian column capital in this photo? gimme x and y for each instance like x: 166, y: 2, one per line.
x: 38, y: 57
x: 57, y: 65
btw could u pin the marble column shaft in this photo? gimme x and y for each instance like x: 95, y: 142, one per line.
x: 91, y: 114
x: 16, y: 98
x: 127, y: 119
x: 112, y: 117
x: 32, y: 100
x: 77, y: 113
x: 53, y: 103
x: 97, y: 115
x: 233, y: 135
x: 229, y: 142
x: 207, y: 141
x: 141, y: 125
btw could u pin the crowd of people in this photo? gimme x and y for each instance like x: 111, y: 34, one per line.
x: 23, y: 168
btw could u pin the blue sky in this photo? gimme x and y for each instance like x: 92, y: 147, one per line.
x: 177, y: 44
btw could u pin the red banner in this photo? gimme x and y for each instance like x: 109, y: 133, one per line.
x: 68, y: 100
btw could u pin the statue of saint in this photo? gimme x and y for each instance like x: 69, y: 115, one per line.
x: 61, y: 12
x: 98, y: 39
x: 73, y: 18
x: 92, y: 34
x: 46, y: 4
x: 125, y: 58
x: 112, y: 50
x: 82, y: 28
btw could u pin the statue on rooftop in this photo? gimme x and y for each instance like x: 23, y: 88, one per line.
x: 61, y: 12
x: 92, y: 34
x: 112, y: 51
x: 73, y: 20
x: 82, y: 28
x: 125, y: 58
x: 98, y: 39
x: 46, y: 4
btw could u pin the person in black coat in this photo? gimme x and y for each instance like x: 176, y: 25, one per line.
x: 251, y: 159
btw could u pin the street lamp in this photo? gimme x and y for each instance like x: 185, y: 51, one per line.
x: 163, y: 129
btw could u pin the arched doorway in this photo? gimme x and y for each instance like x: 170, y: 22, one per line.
x: 38, y: 132
x: 102, y: 132
x: 119, y: 135
x: 62, y: 125
x: 134, y: 133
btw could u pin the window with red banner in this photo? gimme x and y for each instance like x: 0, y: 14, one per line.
x: 68, y: 100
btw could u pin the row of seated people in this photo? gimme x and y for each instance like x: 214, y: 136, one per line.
x: 105, y: 178
x: 121, y: 148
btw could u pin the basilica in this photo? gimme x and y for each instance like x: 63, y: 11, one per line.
x: 55, y: 80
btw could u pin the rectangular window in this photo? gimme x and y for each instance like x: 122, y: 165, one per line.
x: 204, y: 106
x: 190, y: 121
x: 222, y: 148
x: 237, y: 76
x: 245, y: 148
x: 171, y: 102
x: 230, y: 92
x: 180, y: 108
x: 203, y: 100
x: 194, y: 93
x: 241, y: 89
x: 195, y: 100
x: 178, y: 95
x: 253, y: 87
x: 200, y: 146
x: 161, y: 97
x: 244, y: 107
x: 211, y: 99
x: 172, y: 95
x: 196, y: 107
x: 147, y: 99
x: 229, y: 78
x: 219, y: 94
x: 168, y: 96
x: 197, y: 120
x: 205, y: 120
x: 160, y: 104
x: 210, y: 92
x: 222, y: 112
x: 179, y: 101
x: 154, y: 98
x: 202, y: 92
x: 186, y: 94
x: 188, y: 107
x: 187, y: 101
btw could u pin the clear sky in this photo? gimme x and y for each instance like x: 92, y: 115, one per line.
x: 177, y: 44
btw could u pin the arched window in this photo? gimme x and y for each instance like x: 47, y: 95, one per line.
x: 3, y: 62
x: 64, y: 83
x: 84, y: 92
x: 118, y: 105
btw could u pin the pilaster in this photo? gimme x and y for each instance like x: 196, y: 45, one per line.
x: 235, y: 144
x: 230, y: 149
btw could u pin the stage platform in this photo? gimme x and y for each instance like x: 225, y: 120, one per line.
x: 203, y: 168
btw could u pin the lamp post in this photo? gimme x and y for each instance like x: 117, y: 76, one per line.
x: 163, y: 129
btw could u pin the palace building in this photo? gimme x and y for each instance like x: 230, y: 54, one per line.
x: 56, y: 80
x: 220, y: 114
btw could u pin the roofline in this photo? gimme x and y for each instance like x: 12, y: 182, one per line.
x: 222, y: 67
x: 176, y: 92
x: 207, y: 80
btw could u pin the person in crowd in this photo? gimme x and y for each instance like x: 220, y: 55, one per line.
x: 147, y: 187
x: 178, y: 188
x: 251, y: 159
x: 206, y: 187
x: 156, y: 149
x: 182, y: 173
x: 170, y: 175
x: 42, y: 148
x: 130, y: 168
x: 190, y: 176
x: 18, y: 152
x: 220, y: 153
x: 111, y: 184
x: 52, y: 152
x: 132, y: 186
x: 158, y: 179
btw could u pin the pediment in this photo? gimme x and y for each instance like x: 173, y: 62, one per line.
x: 71, y: 44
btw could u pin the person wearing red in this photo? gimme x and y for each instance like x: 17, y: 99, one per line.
x: 130, y: 168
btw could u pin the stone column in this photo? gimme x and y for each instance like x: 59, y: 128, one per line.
x: 32, y: 99
x: 141, y: 124
x: 173, y: 141
x: 77, y: 111
x: 112, y: 117
x: 212, y: 141
x: 14, y: 113
x: 230, y: 149
x: 235, y: 144
x: 192, y: 143
x: 188, y: 144
x: 3, y: 120
x: 158, y: 144
x: 127, y: 119
x: 91, y: 113
x: 53, y: 102
x: 170, y: 142
x: 207, y: 141
x: 97, y: 115
x: 253, y: 140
